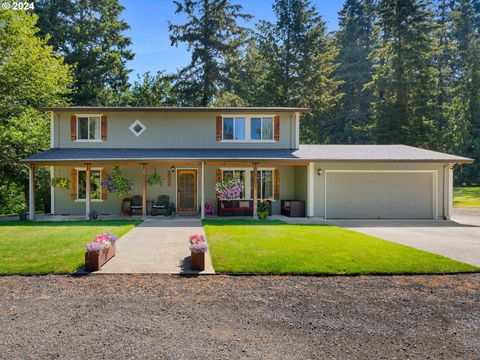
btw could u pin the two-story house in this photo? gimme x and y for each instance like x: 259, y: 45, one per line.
x: 193, y: 148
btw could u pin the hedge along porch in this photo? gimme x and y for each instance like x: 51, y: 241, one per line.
x: 275, y: 181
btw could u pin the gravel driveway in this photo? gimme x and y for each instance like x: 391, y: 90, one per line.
x: 218, y: 317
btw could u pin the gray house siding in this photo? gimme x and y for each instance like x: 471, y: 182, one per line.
x: 169, y: 130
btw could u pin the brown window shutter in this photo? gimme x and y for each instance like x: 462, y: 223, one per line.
x: 104, y: 128
x: 104, y: 188
x: 73, y: 127
x: 73, y: 184
x: 276, y: 128
x: 218, y: 177
x: 219, y: 128
x: 276, y: 184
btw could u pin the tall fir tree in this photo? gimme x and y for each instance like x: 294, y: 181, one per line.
x: 90, y: 36
x: 297, y: 58
x: 404, y: 73
x: 215, y: 40
x: 466, y: 102
x: 352, y: 123
x: 444, y: 65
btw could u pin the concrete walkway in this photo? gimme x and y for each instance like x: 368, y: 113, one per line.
x: 157, y: 245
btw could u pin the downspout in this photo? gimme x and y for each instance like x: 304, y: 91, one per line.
x: 447, y: 190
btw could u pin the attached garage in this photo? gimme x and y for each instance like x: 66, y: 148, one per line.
x: 381, y: 194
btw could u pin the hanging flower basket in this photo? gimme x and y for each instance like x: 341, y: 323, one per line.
x: 155, y: 179
x: 116, y: 183
x: 229, y: 189
x: 60, y: 182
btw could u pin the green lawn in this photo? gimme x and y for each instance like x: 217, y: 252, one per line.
x: 466, y: 197
x: 273, y: 247
x: 50, y: 247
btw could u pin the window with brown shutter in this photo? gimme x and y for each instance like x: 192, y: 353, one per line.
x: 276, y: 128
x: 73, y: 184
x: 219, y: 128
x: 276, y: 184
x: 104, y: 128
x: 73, y: 127
x: 104, y: 188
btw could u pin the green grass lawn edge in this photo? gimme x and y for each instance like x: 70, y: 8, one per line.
x: 51, y: 247
x: 451, y: 266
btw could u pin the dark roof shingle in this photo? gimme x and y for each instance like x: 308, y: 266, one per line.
x: 326, y: 153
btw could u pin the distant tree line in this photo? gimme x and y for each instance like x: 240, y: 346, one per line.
x: 394, y: 72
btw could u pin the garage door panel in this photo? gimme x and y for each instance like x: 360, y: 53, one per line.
x: 379, y: 195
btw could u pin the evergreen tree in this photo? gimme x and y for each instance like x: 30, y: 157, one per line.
x: 296, y: 56
x: 466, y: 102
x: 352, y: 120
x: 149, y: 90
x: 404, y: 73
x: 89, y: 34
x: 215, y: 41
x: 444, y: 65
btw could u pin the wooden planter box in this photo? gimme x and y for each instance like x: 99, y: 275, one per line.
x: 94, y: 260
x: 198, y: 261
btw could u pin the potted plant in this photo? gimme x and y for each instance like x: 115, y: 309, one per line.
x: 60, y: 182
x: 198, y: 248
x: 99, y: 251
x: 23, y: 214
x: 262, y: 209
x: 171, y: 209
x: 155, y: 179
x: 229, y: 189
x: 116, y: 183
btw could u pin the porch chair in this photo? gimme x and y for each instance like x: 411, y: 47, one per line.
x: 135, y: 204
x: 209, y: 210
x: 161, y: 206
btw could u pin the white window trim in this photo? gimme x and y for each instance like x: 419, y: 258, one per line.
x: 133, y: 126
x: 78, y: 183
x: 78, y: 128
x: 248, y: 128
x: 248, y: 180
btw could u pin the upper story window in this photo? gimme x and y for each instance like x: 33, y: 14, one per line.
x: 88, y: 128
x: 248, y: 128
x: 234, y: 128
x: 261, y: 128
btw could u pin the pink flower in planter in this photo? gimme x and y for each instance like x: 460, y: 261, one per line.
x: 198, y: 243
x: 103, y: 241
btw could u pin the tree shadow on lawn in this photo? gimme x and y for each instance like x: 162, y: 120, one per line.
x: 90, y: 223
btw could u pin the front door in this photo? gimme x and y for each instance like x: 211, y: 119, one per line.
x: 187, y: 190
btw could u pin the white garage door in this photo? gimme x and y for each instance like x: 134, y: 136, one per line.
x: 379, y: 195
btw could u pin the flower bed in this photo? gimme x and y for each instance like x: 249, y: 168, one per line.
x: 99, y: 251
x: 198, y: 248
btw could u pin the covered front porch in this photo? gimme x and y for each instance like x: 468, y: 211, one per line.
x: 189, y: 186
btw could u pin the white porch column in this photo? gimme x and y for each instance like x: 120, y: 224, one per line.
x: 447, y: 191
x: 255, y: 191
x: 31, y: 193
x: 310, y: 189
x: 202, y: 193
x: 88, y: 192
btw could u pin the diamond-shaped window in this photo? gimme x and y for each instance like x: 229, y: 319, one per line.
x: 137, y: 128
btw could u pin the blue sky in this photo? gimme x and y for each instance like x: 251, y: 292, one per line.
x: 149, y: 30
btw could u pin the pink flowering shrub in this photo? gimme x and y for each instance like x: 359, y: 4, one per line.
x: 103, y: 241
x: 229, y: 189
x: 198, y: 243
